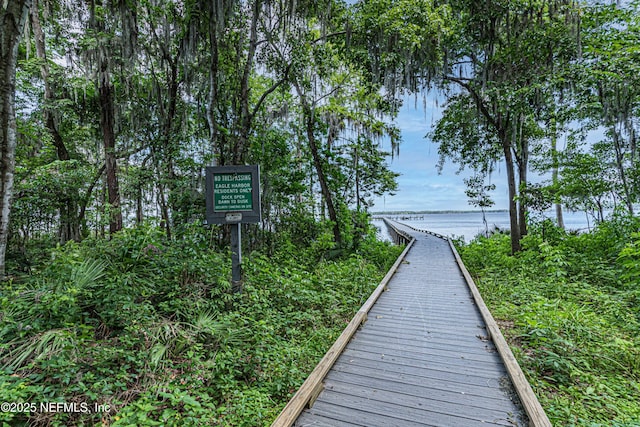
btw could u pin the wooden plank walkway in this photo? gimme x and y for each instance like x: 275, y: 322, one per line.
x: 424, y: 356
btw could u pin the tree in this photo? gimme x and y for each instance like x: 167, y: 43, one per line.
x: 555, y: 164
x: 139, y: 96
x: 12, y: 18
x: 503, y: 58
x: 608, y: 88
x: 293, y: 58
x: 500, y: 54
x: 69, y: 222
x: 477, y: 192
x: 102, y: 56
x: 367, y: 172
x: 589, y: 180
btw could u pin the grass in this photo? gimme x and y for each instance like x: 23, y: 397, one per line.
x: 571, y: 314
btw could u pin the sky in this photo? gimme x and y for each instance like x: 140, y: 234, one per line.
x: 420, y: 186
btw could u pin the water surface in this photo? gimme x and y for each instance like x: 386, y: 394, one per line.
x: 469, y: 224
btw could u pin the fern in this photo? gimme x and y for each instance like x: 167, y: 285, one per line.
x: 39, y: 347
x: 87, y: 273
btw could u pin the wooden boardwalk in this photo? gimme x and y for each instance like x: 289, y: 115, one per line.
x: 424, y: 356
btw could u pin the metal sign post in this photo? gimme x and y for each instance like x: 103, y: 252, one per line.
x: 236, y: 257
x: 233, y: 197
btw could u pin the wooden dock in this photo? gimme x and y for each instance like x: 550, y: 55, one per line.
x: 423, y: 351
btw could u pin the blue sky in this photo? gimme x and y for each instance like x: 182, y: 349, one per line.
x: 420, y: 187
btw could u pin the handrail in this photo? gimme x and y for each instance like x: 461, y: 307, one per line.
x: 311, y: 388
x: 398, y: 236
x: 423, y: 231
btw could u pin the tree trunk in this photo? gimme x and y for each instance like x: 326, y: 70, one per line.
x: 502, y: 126
x: 61, y: 149
x: 216, y: 137
x: 87, y: 197
x: 167, y: 149
x: 356, y: 165
x: 555, y: 167
x: 317, y: 162
x: 69, y: 223
x: 164, y: 210
x: 521, y: 155
x: 245, y: 117
x: 513, y: 207
x: 109, y: 138
x: 107, y: 121
x: 13, y: 15
x: 619, y: 150
x: 523, y: 164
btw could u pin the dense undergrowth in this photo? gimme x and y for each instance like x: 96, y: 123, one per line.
x: 570, y: 307
x: 150, y: 330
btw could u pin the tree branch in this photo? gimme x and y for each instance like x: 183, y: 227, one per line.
x: 476, y: 97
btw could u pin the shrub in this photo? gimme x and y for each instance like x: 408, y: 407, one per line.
x: 571, y: 318
x: 151, y: 328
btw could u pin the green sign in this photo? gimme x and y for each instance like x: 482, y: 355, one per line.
x: 232, y: 192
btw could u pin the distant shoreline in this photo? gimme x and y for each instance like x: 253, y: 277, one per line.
x: 435, y: 212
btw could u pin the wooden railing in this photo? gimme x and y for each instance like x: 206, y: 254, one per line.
x: 399, y: 237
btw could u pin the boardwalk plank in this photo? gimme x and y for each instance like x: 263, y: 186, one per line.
x: 398, y: 371
x: 449, y: 359
x: 435, y: 391
x: 461, y: 384
x: 332, y: 410
x: 460, y: 341
x: 318, y: 420
x: 414, y: 402
x: 419, y: 352
x: 365, y: 406
x: 420, y: 368
x: 405, y: 315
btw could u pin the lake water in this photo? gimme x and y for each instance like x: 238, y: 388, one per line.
x: 470, y: 224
